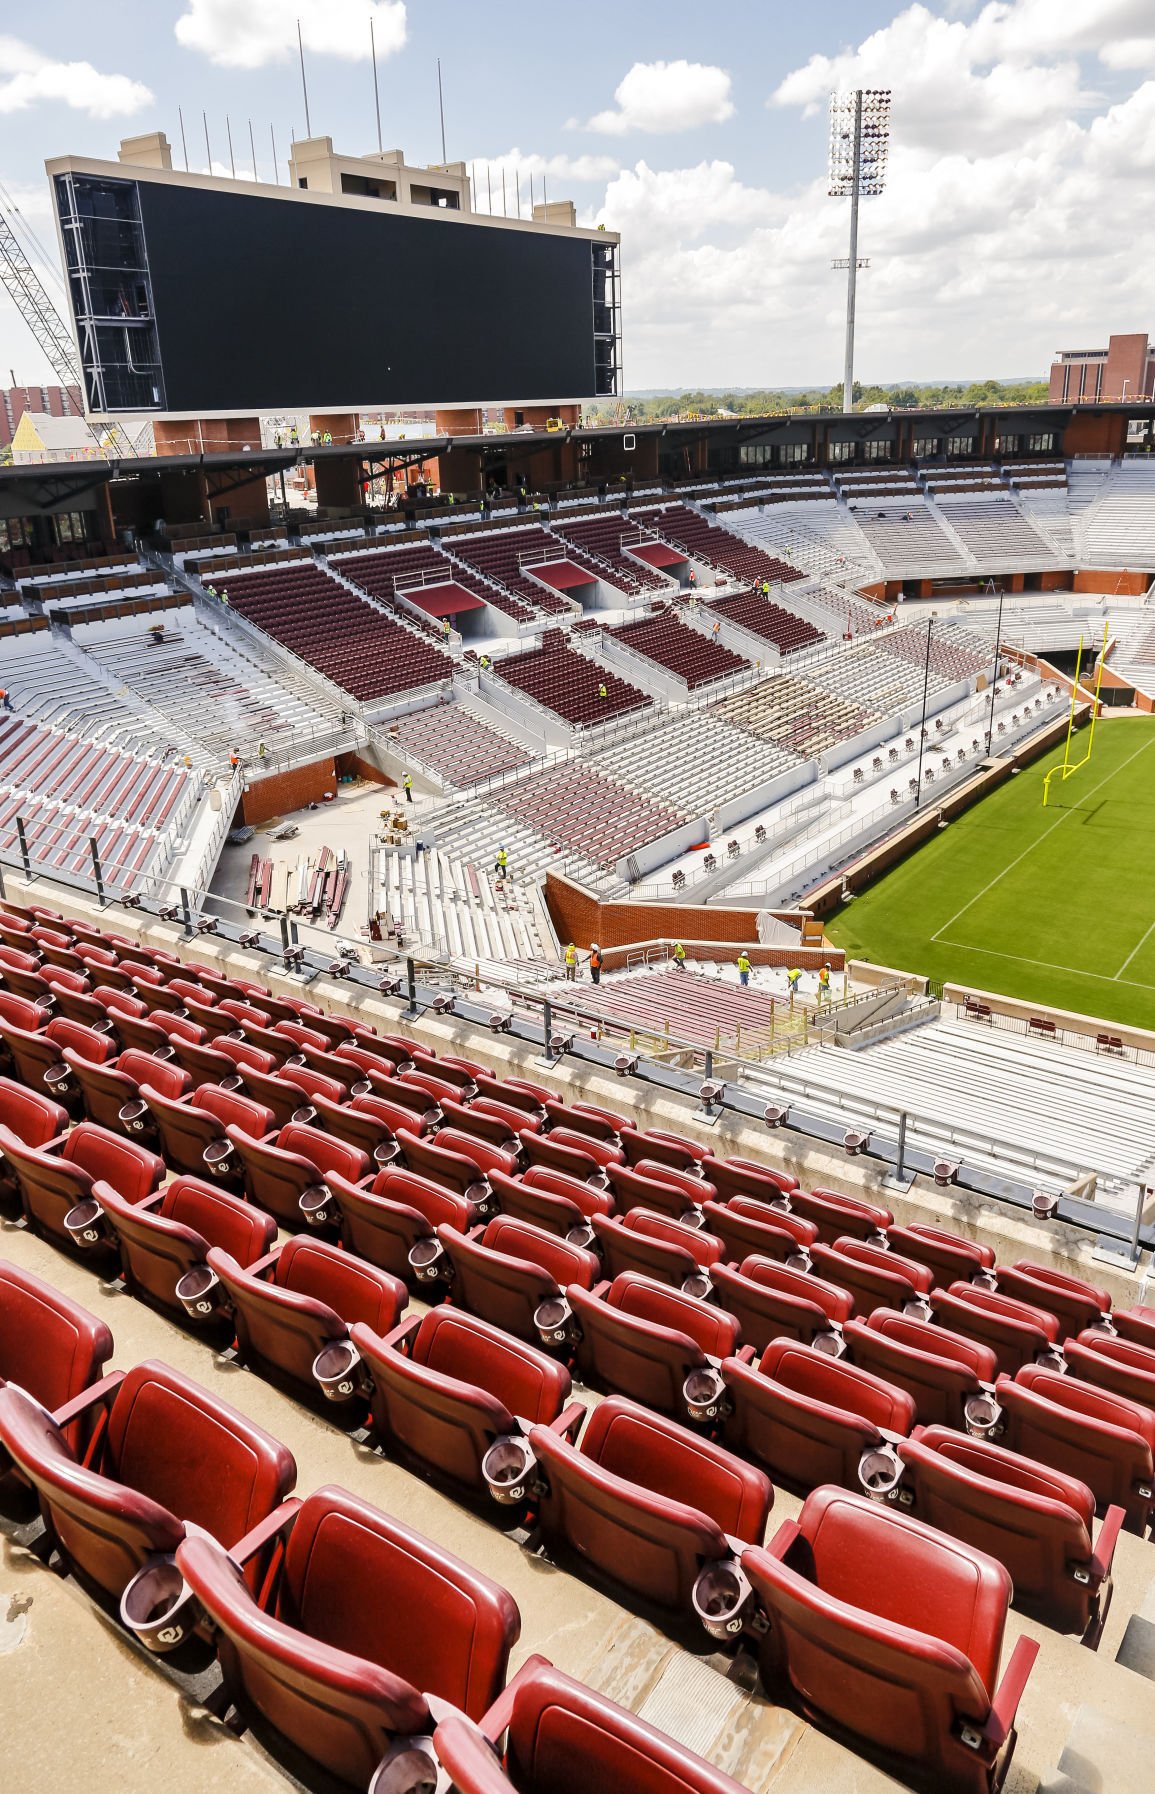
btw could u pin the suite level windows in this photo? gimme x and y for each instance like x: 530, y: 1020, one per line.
x: 960, y: 445
x: 925, y: 447
x: 878, y: 451
x: 779, y: 454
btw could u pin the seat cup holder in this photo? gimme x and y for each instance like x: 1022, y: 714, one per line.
x: 508, y: 1468
x: 704, y: 1392
x: 876, y: 1237
x: 304, y: 1114
x: 918, y: 1308
x: 236, y: 1082
x: 982, y: 1416
x: 361, y: 1088
x: 165, y: 1053
x: 85, y: 1224
x: 295, y: 1062
x: 693, y: 1217
x: 553, y: 1319
x: 159, y: 1608
x: 723, y: 1599
x: 409, y: 1766
x: 386, y: 1152
x: 698, y: 1285
x: 337, y: 1371
x: 781, y: 1204
x: 217, y: 1156
x: 1051, y: 1358
x: 582, y: 1236
x: 800, y: 1260
x: 134, y: 1115
x: 1104, y: 1328
x: 427, y: 1259
x: 880, y: 1472
x: 482, y: 1197
x: 315, y: 1204
x: 199, y: 1293
x: 59, y: 1079
x: 985, y: 1279
x: 830, y: 1342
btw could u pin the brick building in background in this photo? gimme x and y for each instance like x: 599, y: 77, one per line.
x: 1125, y: 369
x: 57, y: 401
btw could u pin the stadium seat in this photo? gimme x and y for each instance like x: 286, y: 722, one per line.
x: 393, y: 1222
x: 284, y: 1090
x: 835, y: 1215
x: 168, y: 1455
x: 875, y: 1277
x: 742, y: 1177
x: 286, y: 1175
x: 1016, y: 1333
x: 452, y: 1170
x: 164, y: 1243
x: 653, y: 1190
x: 1100, y: 1438
x: 447, y: 1388
x: 948, y: 1376
x: 514, y: 1275
x: 644, y: 1503
x: 1136, y: 1324
x: 293, y: 1303
x: 362, y: 1622
x: 195, y: 1134
x: 658, y: 1247
x: 111, y: 1094
x: 1116, y: 1364
x: 587, y: 1118
x: 34, y: 1120
x: 1036, y: 1521
x: 1074, y: 1304
x: 65, y: 1177
x: 891, y: 1634
x: 770, y: 1301
x: 49, y: 1345
x: 946, y: 1254
x: 808, y: 1418
x: 551, y: 1200
x: 575, y: 1161
x: 38, y: 1058
x: 750, y: 1228
x: 666, y: 1149
x: 562, y: 1735
x: 639, y: 1338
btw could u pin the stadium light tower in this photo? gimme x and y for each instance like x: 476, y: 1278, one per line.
x: 859, y: 148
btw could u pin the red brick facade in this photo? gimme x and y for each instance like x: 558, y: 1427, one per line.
x: 280, y: 792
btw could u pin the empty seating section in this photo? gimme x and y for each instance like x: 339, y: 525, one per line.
x: 694, y: 763
x: 586, y: 813
x: 455, y: 744
x: 907, y: 537
x: 502, y: 557
x: 1118, y: 528
x: 66, y: 790
x: 721, y: 549
x: 569, y: 685
x: 691, y: 1007
x: 996, y: 532
x: 819, y: 536
x: 369, y: 655
x: 48, y: 682
x: 751, y: 1329
x: 955, y: 653
x: 692, y: 657
x: 766, y: 619
x: 883, y: 677
x: 800, y: 717
x: 601, y: 539
x: 381, y: 571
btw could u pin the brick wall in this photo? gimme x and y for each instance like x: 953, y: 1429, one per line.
x: 1110, y: 579
x: 705, y: 934
x: 278, y: 793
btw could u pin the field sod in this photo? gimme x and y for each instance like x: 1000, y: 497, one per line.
x: 1056, y: 906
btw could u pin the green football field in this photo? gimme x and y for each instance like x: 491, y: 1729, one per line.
x: 1054, y: 905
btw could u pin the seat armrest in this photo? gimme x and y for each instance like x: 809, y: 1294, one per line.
x: 1001, y: 1720
x: 265, y: 1531
x: 747, y: 1354
x: 569, y: 1422
x: 601, y: 1290
x: 1104, y: 1552
x: 100, y: 1394
x: 496, y: 1722
x: 150, y: 1202
x: 403, y: 1333
x: 261, y: 1266
x: 784, y: 1540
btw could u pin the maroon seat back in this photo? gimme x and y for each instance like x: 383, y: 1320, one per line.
x: 575, y: 1161
x: 948, y: 1256
x: 456, y: 1388
x: 764, y: 1233
x: 636, y: 1189
x: 1015, y: 1332
x: 105, y: 1089
x: 52, y: 1183
x: 172, y: 1452
x: 383, y: 1223
x: 876, y: 1279
x: 666, y: 1149
x: 641, y: 1339
x: 282, y: 1090
x: 187, y: 1130
x: 30, y: 1118
x: 364, y: 1616
x: 770, y: 1301
x: 276, y: 1176
x: 506, y: 1274
x: 888, y: 1631
x: 1136, y: 1323
x: 450, y: 1169
x: 807, y: 1417
x: 1127, y: 1370
x: 1074, y: 1304
x: 1102, y: 1439
x: 835, y: 1215
x: 49, y: 1345
x: 644, y: 1502
x: 628, y: 1246
x: 939, y: 1369
x: 743, y: 1177
x: 159, y: 1245
x: 482, y: 1154
x: 560, y: 1205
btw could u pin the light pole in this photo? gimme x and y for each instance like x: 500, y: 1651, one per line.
x: 995, y: 672
x: 922, y: 723
x: 859, y: 148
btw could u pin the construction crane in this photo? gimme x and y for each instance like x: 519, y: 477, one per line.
x: 31, y: 299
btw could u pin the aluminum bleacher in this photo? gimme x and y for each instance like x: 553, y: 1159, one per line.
x: 907, y: 537
x: 955, y: 652
x: 52, y: 683
x: 995, y: 531
x: 693, y: 658
x: 568, y: 684
x: 694, y: 763
x: 704, y: 1010
x: 1118, y: 528
x: 368, y: 654
x: 819, y: 536
x: 455, y: 745
x: 797, y: 715
x: 586, y: 813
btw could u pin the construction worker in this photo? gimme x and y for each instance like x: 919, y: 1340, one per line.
x: 294, y: 437
x: 485, y: 663
x: 765, y: 588
x: 156, y: 633
x: 211, y: 591
x: 234, y: 759
x: 501, y: 864
x: 327, y: 439
x: 571, y: 964
x: 188, y: 761
x: 5, y: 701
x: 407, y: 782
x: 679, y: 957
x: 743, y: 968
x: 262, y: 751
x: 595, y: 962
x: 225, y: 600
x: 602, y: 692
x: 824, y: 983
x: 693, y: 577
x: 793, y: 980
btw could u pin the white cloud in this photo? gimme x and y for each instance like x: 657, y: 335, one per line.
x: 29, y: 78
x: 561, y: 168
x: 662, y: 97
x: 249, y: 34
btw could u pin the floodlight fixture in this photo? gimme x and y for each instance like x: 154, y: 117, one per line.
x: 859, y: 152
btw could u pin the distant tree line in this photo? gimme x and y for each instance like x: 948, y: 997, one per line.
x: 977, y: 393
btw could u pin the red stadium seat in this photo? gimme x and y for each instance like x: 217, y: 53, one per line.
x: 948, y: 1376
x: 447, y: 1388
x: 771, y: 1301
x: 111, y: 1094
x: 1037, y: 1522
x: 655, y: 1189
x: 1116, y: 1364
x: 49, y: 1345
x: 38, y: 1058
x: 874, y: 1277
x: 1103, y: 1440
x: 748, y: 1228
x: 564, y: 1736
x: 641, y: 1339
x: 363, y: 1621
x: 658, y: 1247
x: 1074, y: 1304
x: 170, y: 1455
x: 30, y: 1118
x: 645, y: 1503
x: 946, y: 1254
x: 196, y: 1135
x: 1136, y: 1324
x: 286, y: 1176
x: 452, y: 1170
x: 667, y: 1149
x: 292, y: 1304
x: 743, y: 1177
x: 54, y: 1183
x: 808, y: 1418
x: 164, y: 1243
x: 835, y: 1215
x: 551, y: 1200
x: 1017, y: 1333
x: 393, y: 1222
x: 542, y: 1149
x: 890, y: 1633
x: 514, y: 1275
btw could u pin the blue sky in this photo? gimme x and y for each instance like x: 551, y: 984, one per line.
x: 1014, y: 222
